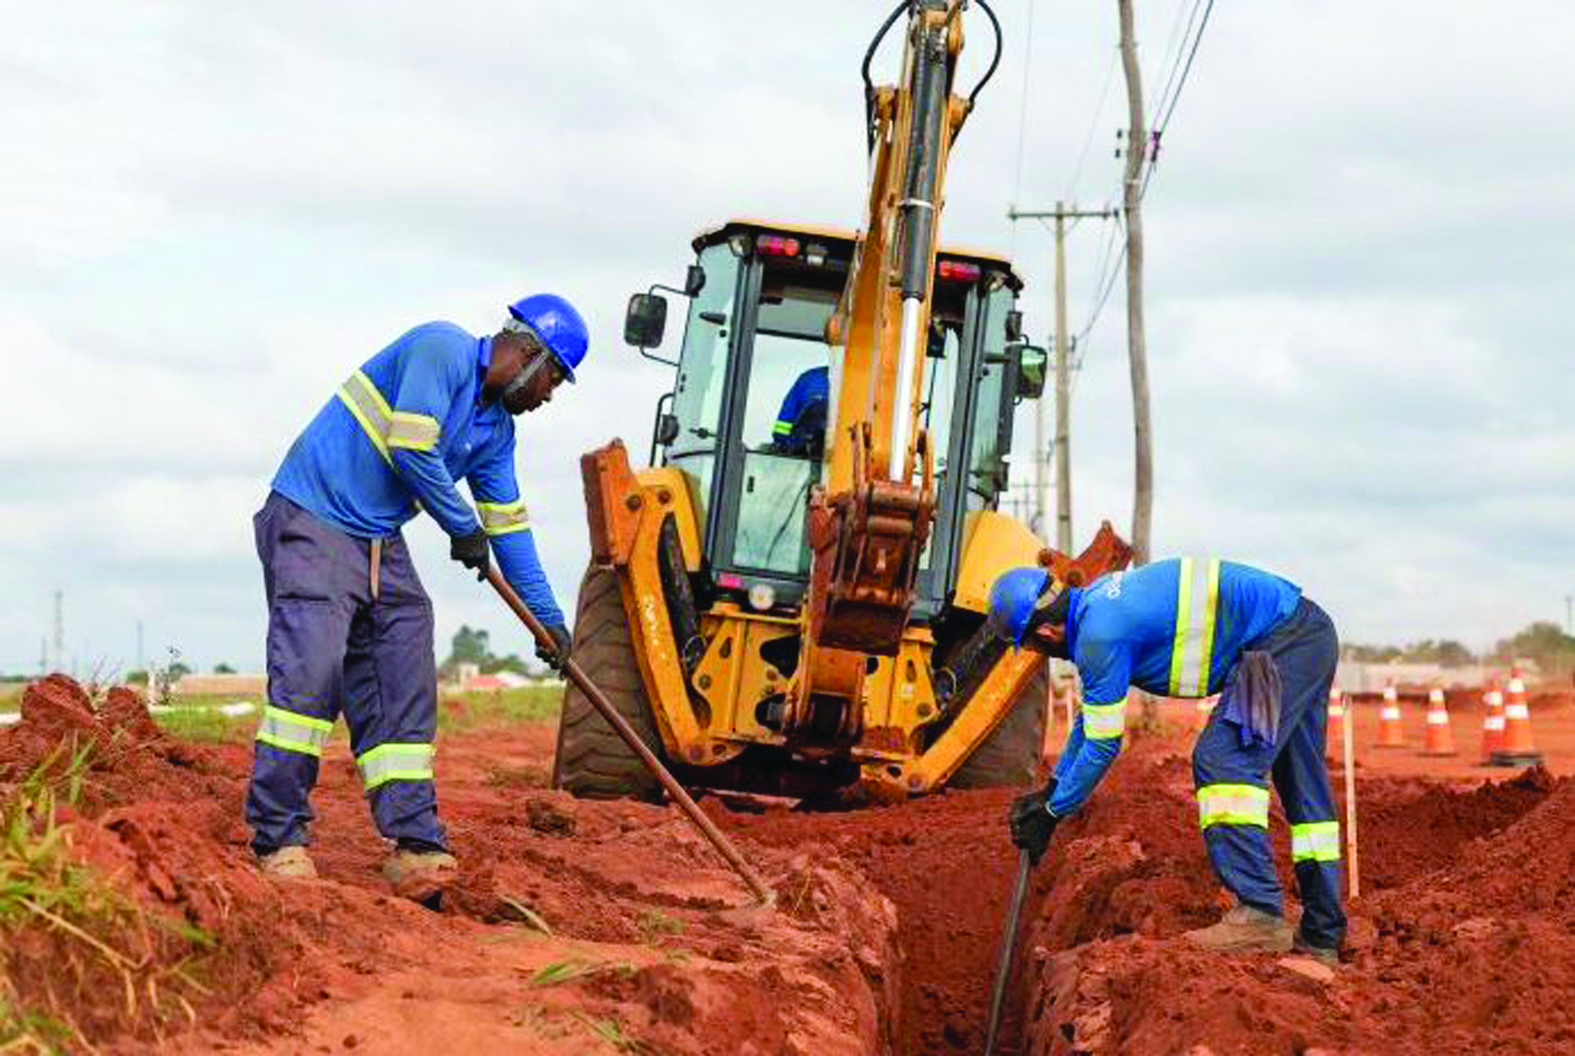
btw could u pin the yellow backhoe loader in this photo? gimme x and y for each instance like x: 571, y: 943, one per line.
x: 791, y: 599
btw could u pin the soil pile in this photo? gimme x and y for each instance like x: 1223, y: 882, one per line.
x: 575, y: 927
x: 1468, y: 944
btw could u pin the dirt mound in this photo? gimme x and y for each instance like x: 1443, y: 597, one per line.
x: 1423, y: 827
x: 1467, y: 946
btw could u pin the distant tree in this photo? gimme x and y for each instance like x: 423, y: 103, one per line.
x: 136, y: 678
x: 1543, y: 642
x: 177, y: 672
x: 222, y: 668
x: 512, y: 662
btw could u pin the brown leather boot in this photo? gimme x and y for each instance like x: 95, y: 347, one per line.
x: 1245, y: 928
x: 288, y: 863
x: 418, y: 875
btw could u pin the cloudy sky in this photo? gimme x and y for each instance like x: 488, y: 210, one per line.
x: 1359, y: 236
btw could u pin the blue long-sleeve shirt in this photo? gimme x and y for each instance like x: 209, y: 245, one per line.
x: 398, y: 436
x: 1174, y: 628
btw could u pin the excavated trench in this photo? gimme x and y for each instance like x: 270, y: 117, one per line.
x: 607, y: 924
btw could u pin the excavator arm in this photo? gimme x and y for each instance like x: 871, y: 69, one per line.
x: 868, y: 523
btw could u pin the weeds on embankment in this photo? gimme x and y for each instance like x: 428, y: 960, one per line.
x: 79, y: 958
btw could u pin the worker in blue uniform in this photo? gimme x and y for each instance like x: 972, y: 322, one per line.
x: 1195, y: 627
x: 800, y: 428
x: 349, y: 624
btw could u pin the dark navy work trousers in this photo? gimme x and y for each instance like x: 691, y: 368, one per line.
x: 1232, y: 782
x: 333, y: 647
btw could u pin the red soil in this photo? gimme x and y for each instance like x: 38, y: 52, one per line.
x: 651, y: 938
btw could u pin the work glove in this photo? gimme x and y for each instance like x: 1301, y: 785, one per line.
x: 1031, y: 822
x: 555, y: 654
x: 471, y: 551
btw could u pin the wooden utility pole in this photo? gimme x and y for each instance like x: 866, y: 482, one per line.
x: 1137, y: 353
x: 1063, y: 387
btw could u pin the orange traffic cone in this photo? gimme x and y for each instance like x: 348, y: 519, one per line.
x: 1390, y: 733
x: 1440, y: 738
x: 1334, y: 734
x: 1492, y: 721
x: 1517, y: 750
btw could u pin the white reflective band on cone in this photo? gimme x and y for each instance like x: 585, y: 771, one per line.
x: 1391, y: 711
x: 1517, y: 711
x: 1438, y: 718
x: 1493, y: 722
x: 1495, y: 698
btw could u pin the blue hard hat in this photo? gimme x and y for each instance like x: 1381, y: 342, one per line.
x: 560, y: 328
x: 1013, y: 599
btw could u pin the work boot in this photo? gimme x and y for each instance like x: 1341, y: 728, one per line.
x: 1324, y: 954
x: 1244, y: 928
x: 420, y: 875
x: 287, y: 863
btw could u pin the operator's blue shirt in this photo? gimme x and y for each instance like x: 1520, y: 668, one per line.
x: 401, y: 431
x: 1174, y: 628
x: 809, y: 388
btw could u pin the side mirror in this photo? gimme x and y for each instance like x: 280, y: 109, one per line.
x: 1031, y: 363
x: 694, y: 280
x: 645, y: 321
x: 666, y: 429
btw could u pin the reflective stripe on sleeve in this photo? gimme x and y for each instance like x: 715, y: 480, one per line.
x: 1103, y: 722
x: 782, y: 428
x: 370, y: 409
x: 415, y: 432
x: 1316, y: 841
x: 500, y: 518
x: 395, y: 762
x: 1197, y: 602
x: 293, y: 732
x: 1233, y: 805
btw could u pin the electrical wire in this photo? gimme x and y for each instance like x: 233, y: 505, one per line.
x: 1099, y: 110
x: 1181, y: 82
x: 1022, y: 119
x: 1172, y: 61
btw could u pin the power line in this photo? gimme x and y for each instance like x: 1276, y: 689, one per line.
x: 1172, y: 62
x: 1099, y: 110
x: 1181, y: 82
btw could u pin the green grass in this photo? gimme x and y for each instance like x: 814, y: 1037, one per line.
x: 499, y: 707
x: 95, y: 941
x: 208, y: 727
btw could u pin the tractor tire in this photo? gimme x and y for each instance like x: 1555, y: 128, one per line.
x: 1011, y: 754
x: 592, y: 761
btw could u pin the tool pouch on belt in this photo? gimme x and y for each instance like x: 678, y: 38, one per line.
x: 1251, y: 699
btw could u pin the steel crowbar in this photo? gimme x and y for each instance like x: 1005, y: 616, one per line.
x: 1003, y: 971
x: 598, y: 699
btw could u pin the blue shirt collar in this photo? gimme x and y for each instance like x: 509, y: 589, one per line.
x: 483, y: 361
x: 1073, y: 611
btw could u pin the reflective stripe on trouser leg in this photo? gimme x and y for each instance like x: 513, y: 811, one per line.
x: 391, y: 704
x: 1233, y: 810
x: 308, y: 623
x: 1305, y: 653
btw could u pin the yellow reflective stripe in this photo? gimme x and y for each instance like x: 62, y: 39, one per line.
x: 395, y: 762
x: 782, y: 427
x: 1317, y: 841
x: 370, y: 409
x: 1103, y: 722
x: 1233, y: 805
x: 1197, y: 603
x: 500, y: 518
x: 417, y: 432
x: 293, y: 732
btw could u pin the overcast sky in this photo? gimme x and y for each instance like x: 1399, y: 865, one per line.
x: 1360, y: 253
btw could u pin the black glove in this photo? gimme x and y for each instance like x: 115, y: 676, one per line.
x: 554, y: 655
x: 1032, y: 823
x: 471, y: 551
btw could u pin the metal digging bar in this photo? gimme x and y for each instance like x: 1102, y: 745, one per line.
x: 1008, y: 947
x: 577, y: 675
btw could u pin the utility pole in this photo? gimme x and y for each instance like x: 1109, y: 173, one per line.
x: 1569, y: 615
x: 1137, y: 152
x: 1063, y: 385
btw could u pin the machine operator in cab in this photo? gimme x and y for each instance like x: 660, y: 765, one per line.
x: 1195, y: 627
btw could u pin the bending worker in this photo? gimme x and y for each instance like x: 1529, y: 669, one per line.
x: 1194, y: 627
x: 349, y: 625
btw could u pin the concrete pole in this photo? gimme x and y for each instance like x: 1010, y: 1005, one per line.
x: 1063, y: 393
